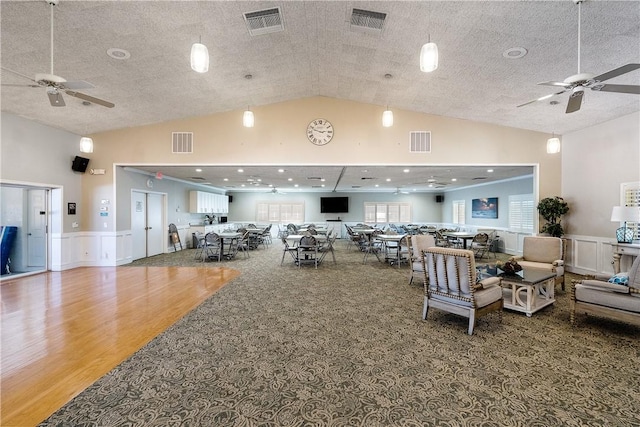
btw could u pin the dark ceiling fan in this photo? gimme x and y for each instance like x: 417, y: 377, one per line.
x: 577, y: 83
x: 55, y: 84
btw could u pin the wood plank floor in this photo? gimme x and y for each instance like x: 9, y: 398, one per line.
x: 61, y: 331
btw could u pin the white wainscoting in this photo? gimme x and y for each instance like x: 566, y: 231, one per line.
x: 592, y: 255
x: 90, y: 249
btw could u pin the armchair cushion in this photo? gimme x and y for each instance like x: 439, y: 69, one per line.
x: 542, y: 249
x: 605, y: 286
x: 617, y: 300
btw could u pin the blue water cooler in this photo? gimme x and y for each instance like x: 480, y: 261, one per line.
x: 7, y: 237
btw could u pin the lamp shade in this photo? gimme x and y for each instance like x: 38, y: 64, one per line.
x: 387, y: 118
x: 199, y: 58
x: 553, y: 145
x: 86, y: 145
x: 248, y: 119
x: 625, y: 214
x: 429, y: 57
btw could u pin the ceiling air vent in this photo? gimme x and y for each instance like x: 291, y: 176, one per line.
x: 197, y: 178
x: 182, y: 142
x: 264, y: 21
x: 419, y: 142
x: 367, y: 19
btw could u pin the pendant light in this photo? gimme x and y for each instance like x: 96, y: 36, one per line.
x: 429, y: 57
x: 248, y: 119
x: 387, y: 118
x: 86, y: 145
x: 553, y: 144
x: 199, y: 57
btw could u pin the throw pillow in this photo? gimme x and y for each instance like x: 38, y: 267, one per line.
x: 620, y: 279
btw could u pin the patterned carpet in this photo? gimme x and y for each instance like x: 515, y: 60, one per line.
x: 344, y: 345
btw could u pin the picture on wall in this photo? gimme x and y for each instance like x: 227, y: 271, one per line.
x: 484, y: 208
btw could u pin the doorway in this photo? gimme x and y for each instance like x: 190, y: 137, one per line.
x: 25, y: 209
x: 147, y: 224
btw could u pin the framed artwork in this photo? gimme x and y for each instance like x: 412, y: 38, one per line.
x: 484, y: 208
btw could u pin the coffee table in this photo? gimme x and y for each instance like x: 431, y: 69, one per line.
x: 529, y: 291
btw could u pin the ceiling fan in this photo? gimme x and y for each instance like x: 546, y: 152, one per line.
x: 577, y: 83
x: 55, y: 84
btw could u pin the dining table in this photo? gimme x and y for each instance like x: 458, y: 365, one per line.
x: 227, y: 241
x: 462, y: 235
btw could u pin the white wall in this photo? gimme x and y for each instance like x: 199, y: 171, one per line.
x: 595, y: 161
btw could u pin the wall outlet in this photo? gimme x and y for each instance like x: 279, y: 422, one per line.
x: 75, y: 225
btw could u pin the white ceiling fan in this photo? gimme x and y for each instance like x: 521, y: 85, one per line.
x: 577, y: 83
x: 55, y: 84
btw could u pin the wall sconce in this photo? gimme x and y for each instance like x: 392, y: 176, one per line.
x: 553, y: 145
x: 199, y: 58
x: 86, y: 145
x: 387, y: 118
x: 248, y: 119
x: 429, y: 57
x: 625, y: 214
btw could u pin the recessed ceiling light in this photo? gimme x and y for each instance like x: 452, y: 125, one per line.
x: 322, y: 185
x: 281, y: 170
x: 377, y: 185
x: 296, y: 185
x: 454, y: 179
x: 241, y: 185
x: 226, y: 179
x: 119, y: 54
x: 489, y: 170
x: 259, y: 180
x: 388, y: 179
x: 322, y: 179
x: 514, y: 53
x: 289, y: 179
x: 240, y: 170
x: 198, y: 170
x: 406, y: 171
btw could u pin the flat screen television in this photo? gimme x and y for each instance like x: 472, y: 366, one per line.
x: 334, y: 204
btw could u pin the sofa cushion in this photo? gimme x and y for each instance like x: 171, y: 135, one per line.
x: 542, y: 266
x: 607, y: 299
x: 620, y: 279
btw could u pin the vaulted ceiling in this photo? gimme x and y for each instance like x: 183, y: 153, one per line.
x: 317, y: 53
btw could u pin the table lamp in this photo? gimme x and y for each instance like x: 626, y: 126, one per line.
x: 625, y: 214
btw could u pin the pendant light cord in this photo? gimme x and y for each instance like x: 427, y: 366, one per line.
x: 579, y: 32
x: 52, y: 6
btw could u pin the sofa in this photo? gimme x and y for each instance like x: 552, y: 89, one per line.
x: 544, y: 253
x: 617, y: 297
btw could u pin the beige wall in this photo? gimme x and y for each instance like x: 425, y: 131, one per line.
x: 279, y: 138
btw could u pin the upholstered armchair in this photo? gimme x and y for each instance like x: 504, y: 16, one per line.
x: 599, y: 297
x: 544, y: 253
x: 419, y: 243
x: 450, y: 285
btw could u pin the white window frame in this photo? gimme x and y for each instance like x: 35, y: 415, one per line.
x: 458, y: 212
x: 387, y: 212
x: 280, y: 212
x: 521, y: 213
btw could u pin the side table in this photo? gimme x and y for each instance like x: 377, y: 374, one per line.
x: 530, y: 292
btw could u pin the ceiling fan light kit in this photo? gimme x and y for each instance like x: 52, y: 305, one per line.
x: 553, y: 145
x: 86, y: 145
x: 248, y: 120
x: 387, y: 118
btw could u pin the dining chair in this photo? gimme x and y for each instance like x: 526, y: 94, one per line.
x: 288, y: 249
x: 307, y: 250
x: 327, y: 247
x: 212, y: 246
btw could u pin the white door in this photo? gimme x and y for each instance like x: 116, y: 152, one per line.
x: 37, y: 228
x: 156, y: 235
x: 147, y: 219
x: 139, y: 224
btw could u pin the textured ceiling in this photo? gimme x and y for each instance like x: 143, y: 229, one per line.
x: 318, y: 54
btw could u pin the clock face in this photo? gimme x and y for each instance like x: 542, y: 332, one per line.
x: 320, y: 132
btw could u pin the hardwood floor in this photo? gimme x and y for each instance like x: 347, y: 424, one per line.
x: 61, y: 331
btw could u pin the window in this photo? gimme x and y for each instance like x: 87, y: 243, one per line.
x: 631, y: 197
x: 458, y: 212
x: 280, y: 212
x: 387, y: 212
x: 521, y: 212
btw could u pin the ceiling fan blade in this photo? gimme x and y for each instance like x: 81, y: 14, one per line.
x: 542, y: 98
x: 563, y: 84
x: 55, y: 98
x: 20, y: 85
x: 90, y: 98
x: 575, y: 101
x: 77, y: 85
x: 617, y: 72
x: 19, y: 74
x: 632, y: 89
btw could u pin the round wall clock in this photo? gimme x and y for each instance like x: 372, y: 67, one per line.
x: 150, y: 183
x: 320, y: 132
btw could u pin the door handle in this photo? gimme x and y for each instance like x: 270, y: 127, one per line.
x: 28, y: 234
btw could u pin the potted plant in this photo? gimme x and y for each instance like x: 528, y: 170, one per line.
x: 552, y: 209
